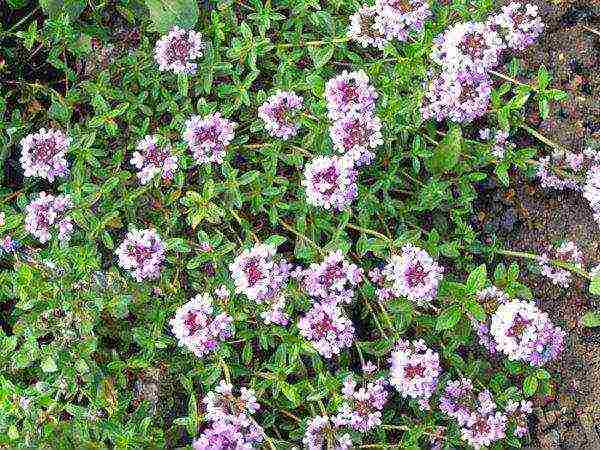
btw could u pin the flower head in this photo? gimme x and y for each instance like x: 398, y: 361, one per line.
x: 47, y: 213
x: 364, y: 30
x: 177, y: 50
x: 333, y: 280
x: 142, y: 254
x: 460, y: 96
x: 152, y: 159
x: 208, y: 137
x: 399, y: 18
x: 330, y: 182
x: 477, y: 415
x: 223, y: 406
x: 415, y: 370
x: 363, y: 406
x: 355, y: 135
x: 198, y: 327
x: 413, y: 274
x: 279, y: 113
x: 519, y: 24
x: 524, y: 333
x: 328, y: 329
x: 43, y: 154
x: 321, y: 430
x: 348, y: 92
x: 471, y: 45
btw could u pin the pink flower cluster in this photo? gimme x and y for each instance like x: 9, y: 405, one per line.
x: 412, y: 274
x: 198, y: 327
x: 364, y: 30
x: 151, y: 159
x: 362, y: 408
x: 48, y: 212
x: 415, y: 371
x: 517, y: 413
x: 280, y: 114
x: 233, y: 427
x: 177, y: 50
x: 257, y: 275
x: 330, y: 182
x: 349, y: 92
x: 333, y: 280
x: 524, y: 333
x: 323, y: 433
x: 142, y: 253
x: 328, y: 328
x: 356, y: 135
x: 478, y: 416
x: 520, y: 25
x: 566, y: 252
x: 399, y: 18
x: 43, y: 154
x: 460, y: 89
x: 208, y: 137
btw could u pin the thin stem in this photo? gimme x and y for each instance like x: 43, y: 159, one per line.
x: 315, y: 43
x: 543, y: 138
x: 556, y: 262
x: 508, y: 78
x: 301, y: 236
x: 23, y: 20
x: 371, y: 232
x: 591, y: 30
x: 239, y: 220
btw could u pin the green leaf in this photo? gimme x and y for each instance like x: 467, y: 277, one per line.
x: 447, y: 153
x: 448, y: 318
x: 595, y: 286
x: 167, y: 13
x: 53, y: 8
x: 178, y: 244
x: 321, y: 55
x: 275, y: 240
x: 477, y: 279
x: 49, y: 365
x: 591, y: 319
x: 530, y: 385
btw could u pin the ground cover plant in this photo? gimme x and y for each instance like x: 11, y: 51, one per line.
x: 236, y: 225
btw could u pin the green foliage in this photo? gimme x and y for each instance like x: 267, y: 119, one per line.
x: 87, y: 359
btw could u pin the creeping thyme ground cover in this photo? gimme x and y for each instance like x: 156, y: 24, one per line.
x: 246, y: 224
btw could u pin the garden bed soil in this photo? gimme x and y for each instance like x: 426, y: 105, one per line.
x: 530, y: 219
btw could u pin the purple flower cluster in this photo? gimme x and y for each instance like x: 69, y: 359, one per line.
x: 330, y: 182
x: 517, y: 413
x: 460, y: 88
x: 490, y: 298
x: 362, y: 407
x: 177, y: 50
x: 198, y: 327
x: 151, y: 159
x: 591, y: 191
x: 364, y: 30
x: 519, y: 24
x: 323, y: 433
x: 460, y: 96
x: 349, y: 92
x: 412, y: 274
x: 47, y: 213
x: 333, y: 280
x: 566, y: 252
x: 280, y: 114
x: 355, y: 135
x: 524, y: 333
x: 142, y: 253
x: 415, y: 371
x: 399, y: 18
x: 328, y: 329
x: 478, y: 416
x: 233, y: 427
x: 43, y: 154
x: 257, y: 275
x: 208, y: 137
